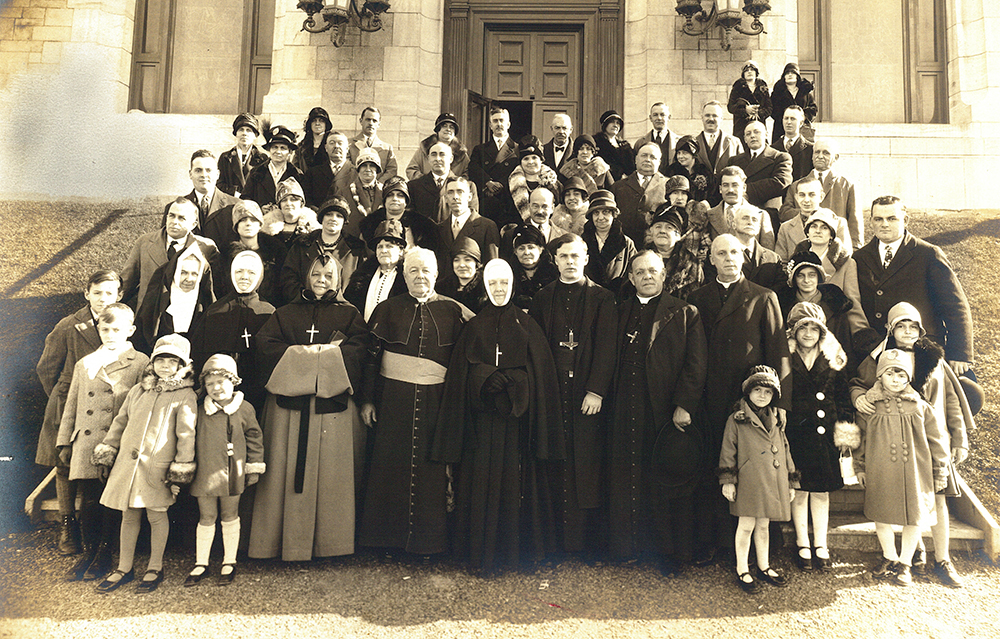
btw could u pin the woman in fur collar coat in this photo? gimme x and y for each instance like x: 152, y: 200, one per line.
x: 749, y: 99
x: 530, y: 175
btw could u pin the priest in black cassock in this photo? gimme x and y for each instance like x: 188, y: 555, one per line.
x: 653, y: 446
x: 578, y: 317
x: 500, y: 414
x: 230, y: 326
x: 405, y: 503
x: 312, y: 352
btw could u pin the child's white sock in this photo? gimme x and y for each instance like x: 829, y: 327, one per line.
x: 230, y: 540
x: 204, y: 536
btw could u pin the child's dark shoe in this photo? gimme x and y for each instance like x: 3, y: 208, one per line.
x: 149, y: 585
x: 886, y: 569
x: 903, y: 576
x: 803, y: 559
x: 747, y: 583
x: 116, y: 580
x: 773, y: 577
x: 195, y: 576
x: 821, y: 564
x: 919, y: 564
x: 227, y: 575
x: 947, y: 574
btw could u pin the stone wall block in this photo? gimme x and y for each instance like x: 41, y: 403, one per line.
x: 695, y: 59
x: 60, y: 34
x: 697, y: 77
x: 59, y: 17
x: 51, y: 52
x: 32, y: 16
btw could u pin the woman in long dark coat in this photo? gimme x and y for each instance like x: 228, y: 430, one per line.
x: 749, y: 99
x: 500, y: 413
x: 785, y: 94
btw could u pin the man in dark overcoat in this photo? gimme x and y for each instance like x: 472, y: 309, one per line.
x: 743, y: 327
x: 916, y: 272
x: 490, y: 166
x: 577, y: 317
x: 658, y: 387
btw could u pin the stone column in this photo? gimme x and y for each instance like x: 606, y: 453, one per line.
x: 973, y: 61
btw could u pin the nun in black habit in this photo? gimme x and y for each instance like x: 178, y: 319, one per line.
x: 500, y: 414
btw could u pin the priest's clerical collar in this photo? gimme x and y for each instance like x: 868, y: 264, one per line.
x: 576, y: 281
x: 645, y: 300
x: 424, y: 299
x: 726, y: 285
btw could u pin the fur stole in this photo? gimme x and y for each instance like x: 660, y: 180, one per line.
x: 829, y: 349
x: 927, y: 354
x: 562, y: 218
x: 836, y: 254
x: 519, y: 187
x: 274, y: 221
x: 593, y: 169
x: 184, y: 378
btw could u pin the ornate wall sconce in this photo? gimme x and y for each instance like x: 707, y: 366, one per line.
x: 726, y: 14
x: 341, y: 13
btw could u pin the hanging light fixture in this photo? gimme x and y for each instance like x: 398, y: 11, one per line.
x: 341, y: 13
x: 725, y: 14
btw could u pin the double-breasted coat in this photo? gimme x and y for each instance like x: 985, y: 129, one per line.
x: 901, y: 454
x: 221, y: 473
x: 233, y: 174
x: 260, y: 186
x: 740, y: 97
x: 154, y: 428
x: 74, y: 337
x: 95, y: 397
x: 755, y: 457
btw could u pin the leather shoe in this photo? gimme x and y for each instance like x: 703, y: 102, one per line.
x: 192, y: 579
x: 777, y: 579
x: 750, y: 587
x: 804, y: 563
x: 227, y: 578
x: 101, y: 564
x: 79, y: 569
x: 149, y: 585
x: 110, y: 586
x: 946, y: 572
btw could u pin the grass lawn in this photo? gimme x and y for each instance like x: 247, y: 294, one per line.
x: 49, y: 249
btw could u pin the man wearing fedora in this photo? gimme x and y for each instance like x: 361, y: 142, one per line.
x: 654, y: 447
x: 445, y: 132
x: 368, y: 139
x: 236, y: 163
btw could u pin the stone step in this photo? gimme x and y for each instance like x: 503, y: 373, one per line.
x: 855, y: 532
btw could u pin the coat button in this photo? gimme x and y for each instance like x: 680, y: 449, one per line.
x: 86, y: 432
x: 777, y: 464
x: 90, y: 393
x: 820, y: 396
x: 821, y: 430
x: 878, y: 315
x: 879, y: 293
x: 821, y: 413
x: 135, y: 455
x: 90, y: 411
x: 892, y: 459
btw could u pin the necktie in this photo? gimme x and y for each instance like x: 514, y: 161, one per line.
x: 369, y: 143
x: 711, y: 139
x: 172, y: 249
x: 642, y: 181
x: 658, y: 139
x: 439, y: 181
x: 888, y: 257
x: 204, y: 205
x: 456, y: 227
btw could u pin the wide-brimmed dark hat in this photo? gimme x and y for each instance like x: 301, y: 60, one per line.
x: 673, y: 215
x: 801, y: 260
x: 676, y: 459
x: 279, y: 134
x: 248, y: 120
x: 677, y: 183
x: 687, y: 143
x: 576, y: 184
x: 319, y: 113
x: 446, y: 118
x: 390, y: 230
x: 586, y: 138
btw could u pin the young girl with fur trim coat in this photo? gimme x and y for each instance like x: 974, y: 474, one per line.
x: 936, y: 383
x: 755, y: 456
x: 821, y: 403
x: 154, y: 433
x: 901, y: 462
x: 230, y: 456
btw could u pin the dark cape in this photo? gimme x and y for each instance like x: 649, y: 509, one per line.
x: 152, y: 320
x: 312, y: 353
x: 497, y: 436
x: 221, y: 330
x: 472, y: 295
x: 405, y: 503
x: 421, y: 229
x: 526, y: 287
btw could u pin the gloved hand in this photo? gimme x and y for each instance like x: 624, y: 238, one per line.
x: 729, y: 491
x: 940, y: 483
x: 496, y: 382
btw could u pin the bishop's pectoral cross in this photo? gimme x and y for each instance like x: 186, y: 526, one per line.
x: 631, y: 336
x: 246, y: 337
x: 498, y: 354
x: 570, y: 344
x: 312, y: 333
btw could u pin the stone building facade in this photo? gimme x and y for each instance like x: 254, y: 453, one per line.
x: 108, y: 98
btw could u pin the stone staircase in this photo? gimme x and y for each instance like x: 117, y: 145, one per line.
x: 972, y: 527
